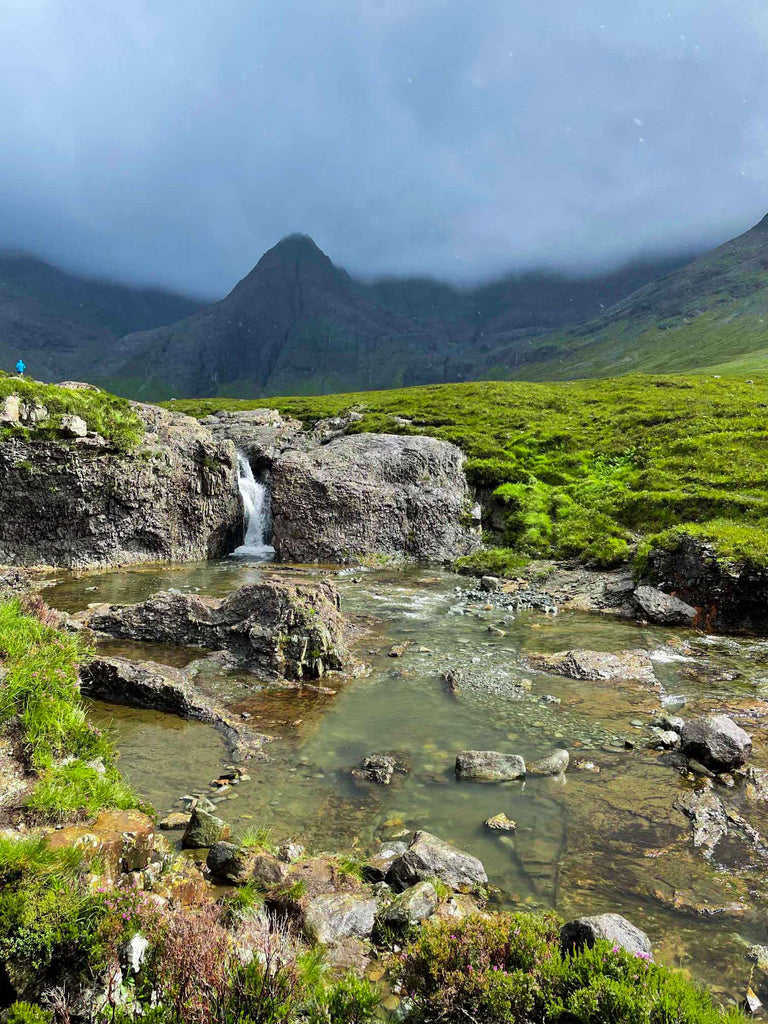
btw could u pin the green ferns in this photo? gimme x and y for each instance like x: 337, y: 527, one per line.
x: 74, y: 761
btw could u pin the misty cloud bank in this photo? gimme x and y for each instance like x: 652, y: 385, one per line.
x: 173, y: 142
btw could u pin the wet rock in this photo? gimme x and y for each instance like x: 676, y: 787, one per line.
x: 263, y: 434
x: 668, y: 739
x: 706, y: 811
x: 379, y: 768
x: 489, y: 766
x: 716, y: 741
x: 756, y: 789
x: 376, y: 868
x: 414, y: 905
x: 553, y: 764
x: 124, y: 840
x: 73, y: 426
x: 597, y: 665
x: 663, y: 609
x: 372, y: 494
x: 429, y: 857
x: 490, y: 584
x: 290, y: 852
x: 175, y: 820
x: 672, y: 723
x: 500, y: 823
x: 173, y: 499
x: 204, y: 830
x: 613, y: 928
x: 280, y: 627
x: 330, y: 918
x: 146, y: 684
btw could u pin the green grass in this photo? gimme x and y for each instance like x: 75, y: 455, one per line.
x: 585, y: 469
x: 108, y: 415
x: 74, y: 761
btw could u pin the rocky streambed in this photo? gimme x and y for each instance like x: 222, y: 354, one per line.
x: 354, y: 760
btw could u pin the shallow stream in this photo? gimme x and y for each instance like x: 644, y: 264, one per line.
x: 593, y: 841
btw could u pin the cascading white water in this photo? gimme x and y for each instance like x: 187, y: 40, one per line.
x: 256, y: 506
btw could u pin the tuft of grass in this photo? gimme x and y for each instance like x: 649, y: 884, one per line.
x: 108, y: 415
x: 74, y: 761
x: 583, y: 469
x: 257, y: 838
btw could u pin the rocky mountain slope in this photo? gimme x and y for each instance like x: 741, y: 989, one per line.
x: 60, y: 324
x: 298, y: 324
x: 709, y: 312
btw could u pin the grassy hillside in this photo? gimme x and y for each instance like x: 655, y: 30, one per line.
x: 588, y: 468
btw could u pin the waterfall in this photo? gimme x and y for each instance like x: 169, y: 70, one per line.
x: 257, y: 513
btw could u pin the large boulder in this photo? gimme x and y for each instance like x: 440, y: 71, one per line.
x: 333, y: 917
x: 429, y: 857
x: 283, y: 628
x: 489, y: 766
x: 599, y: 666
x: 367, y: 494
x: 410, y: 907
x: 82, y: 503
x: 663, y: 609
x: 613, y: 928
x: 204, y: 830
x: 716, y: 742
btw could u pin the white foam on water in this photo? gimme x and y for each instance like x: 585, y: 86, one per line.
x: 258, y: 517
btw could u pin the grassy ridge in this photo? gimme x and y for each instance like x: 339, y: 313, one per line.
x: 108, y: 415
x: 587, y: 468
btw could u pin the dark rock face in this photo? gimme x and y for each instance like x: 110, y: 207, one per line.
x: 79, y: 503
x: 614, y: 928
x: 145, y: 684
x: 716, y: 742
x: 262, y: 434
x: 429, y: 857
x: 727, y: 597
x: 288, y: 629
x: 597, y: 665
x: 372, y: 494
x: 489, y: 766
x: 663, y: 609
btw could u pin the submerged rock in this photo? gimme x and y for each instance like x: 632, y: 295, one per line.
x: 663, y: 609
x: 429, y: 857
x: 489, y: 766
x: 379, y: 768
x: 372, y: 494
x: 710, y: 821
x: 282, y: 628
x: 553, y: 764
x: 172, y: 499
x: 614, y: 928
x: 716, y: 741
x: 597, y: 665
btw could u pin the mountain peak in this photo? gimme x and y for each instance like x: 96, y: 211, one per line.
x: 294, y: 248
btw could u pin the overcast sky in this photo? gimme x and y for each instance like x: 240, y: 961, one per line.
x: 172, y: 141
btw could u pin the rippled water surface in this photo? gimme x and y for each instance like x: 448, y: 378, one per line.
x: 589, y: 842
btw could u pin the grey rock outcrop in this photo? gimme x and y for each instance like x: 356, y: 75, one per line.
x: 262, y: 434
x: 716, y: 742
x: 430, y: 857
x: 81, y: 503
x: 369, y: 494
x: 489, y: 766
x: 288, y: 629
x: 597, y: 665
x: 663, y: 609
x: 614, y: 928
x: 414, y: 905
x: 146, y: 684
x: 330, y: 918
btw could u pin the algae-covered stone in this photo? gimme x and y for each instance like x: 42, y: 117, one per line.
x: 416, y: 904
x: 489, y: 766
x: 204, y: 830
x: 500, y: 823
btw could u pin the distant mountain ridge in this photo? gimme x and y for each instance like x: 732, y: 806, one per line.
x: 298, y: 324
